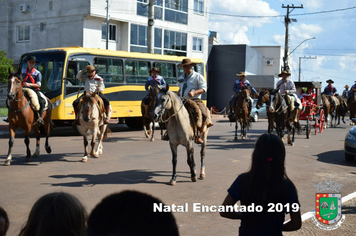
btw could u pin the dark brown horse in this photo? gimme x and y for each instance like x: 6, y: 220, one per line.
x: 352, y: 105
x: 241, y: 112
x: 22, y: 116
x: 147, y: 120
x: 341, y: 111
x: 264, y: 97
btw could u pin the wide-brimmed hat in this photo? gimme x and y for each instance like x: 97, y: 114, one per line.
x: 284, y: 73
x: 89, y: 68
x: 31, y: 58
x: 242, y: 73
x: 186, y: 62
x: 346, y: 86
x: 329, y: 80
x: 155, y: 69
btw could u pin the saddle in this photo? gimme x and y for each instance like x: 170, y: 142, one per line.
x: 195, y: 114
x: 35, y: 105
x: 293, y: 113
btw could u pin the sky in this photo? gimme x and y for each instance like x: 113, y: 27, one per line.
x: 261, y: 23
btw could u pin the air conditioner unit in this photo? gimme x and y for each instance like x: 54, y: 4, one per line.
x: 269, y: 62
x: 23, y: 8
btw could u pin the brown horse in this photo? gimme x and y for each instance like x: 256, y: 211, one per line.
x: 147, y: 120
x: 352, y: 106
x: 334, y: 107
x: 341, y: 111
x: 91, y: 120
x: 264, y: 97
x: 22, y: 116
x: 241, y: 112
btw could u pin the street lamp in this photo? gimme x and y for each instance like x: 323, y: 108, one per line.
x: 301, y: 44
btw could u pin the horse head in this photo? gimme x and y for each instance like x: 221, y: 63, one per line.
x: 161, y: 103
x: 14, y: 85
x: 276, y: 101
x: 263, y: 97
x: 88, y: 103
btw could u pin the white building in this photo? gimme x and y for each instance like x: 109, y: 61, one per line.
x: 181, y: 26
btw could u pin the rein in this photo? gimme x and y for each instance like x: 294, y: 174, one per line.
x: 175, y: 113
x: 15, y: 111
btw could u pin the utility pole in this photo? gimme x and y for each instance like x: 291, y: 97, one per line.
x: 287, y: 20
x: 150, y: 31
x: 301, y: 62
x: 107, y: 24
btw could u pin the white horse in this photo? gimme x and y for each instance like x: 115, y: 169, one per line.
x: 91, y: 121
x: 180, y: 130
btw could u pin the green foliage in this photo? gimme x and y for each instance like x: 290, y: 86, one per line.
x: 5, y: 64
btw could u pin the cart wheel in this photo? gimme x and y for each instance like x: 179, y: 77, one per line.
x: 308, y: 129
x: 322, y: 120
x: 316, y: 125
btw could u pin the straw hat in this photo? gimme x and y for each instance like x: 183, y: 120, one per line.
x: 89, y: 68
x: 242, y: 73
x: 346, y: 86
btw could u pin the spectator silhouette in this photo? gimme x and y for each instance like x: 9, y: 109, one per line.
x: 56, y: 214
x: 265, y: 184
x: 4, y: 222
x: 130, y: 213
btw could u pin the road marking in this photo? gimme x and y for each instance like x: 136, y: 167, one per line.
x: 310, y: 214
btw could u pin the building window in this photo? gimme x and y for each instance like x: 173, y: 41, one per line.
x: 175, y: 43
x: 50, y: 5
x: 43, y: 26
x: 23, y: 33
x: 197, y: 44
x: 112, y: 32
x: 139, y: 39
x: 199, y: 6
x: 142, y: 8
x: 176, y: 11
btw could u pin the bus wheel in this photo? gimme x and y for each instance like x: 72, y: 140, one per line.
x: 134, y: 123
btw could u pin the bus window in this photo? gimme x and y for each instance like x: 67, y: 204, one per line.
x: 71, y: 82
x: 168, y: 72
x: 199, y: 68
x: 137, y: 72
x: 111, y: 70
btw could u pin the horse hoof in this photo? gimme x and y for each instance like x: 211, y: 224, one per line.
x: 152, y: 139
x: 172, y: 182
x: 194, y: 179
x: 48, y: 149
x: 202, y: 176
x: 7, y: 163
x: 84, y: 159
x: 28, y: 159
x: 94, y: 155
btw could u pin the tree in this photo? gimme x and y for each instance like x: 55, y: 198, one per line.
x: 5, y: 64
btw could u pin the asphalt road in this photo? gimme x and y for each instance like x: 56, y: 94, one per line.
x: 130, y: 161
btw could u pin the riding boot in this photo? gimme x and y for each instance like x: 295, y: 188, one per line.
x: 108, y: 114
x: 199, y: 138
x: 6, y: 120
x: 76, y: 121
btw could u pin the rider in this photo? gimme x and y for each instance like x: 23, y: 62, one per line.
x: 329, y: 89
x: 241, y: 82
x: 346, y: 92
x: 308, y: 97
x: 32, y: 79
x: 191, y: 86
x: 151, y: 82
x: 287, y: 88
x: 93, y: 83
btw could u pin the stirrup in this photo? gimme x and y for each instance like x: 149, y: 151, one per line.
x: 165, y: 137
x: 6, y: 120
x: 198, y: 140
x: 39, y: 121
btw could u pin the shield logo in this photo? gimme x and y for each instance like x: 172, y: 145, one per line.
x: 328, y: 207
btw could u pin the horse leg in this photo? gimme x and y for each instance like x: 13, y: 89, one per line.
x: 27, y: 142
x: 236, y: 126
x: 11, y: 144
x: 190, y: 161
x: 202, y: 155
x: 99, y: 150
x: 153, y: 130
x: 36, y: 130
x: 48, y: 131
x: 174, y: 163
x: 85, y: 157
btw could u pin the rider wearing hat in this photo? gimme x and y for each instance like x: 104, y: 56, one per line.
x: 287, y: 88
x: 155, y: 79
x: 329, y: 89
x: 191, y: 86
x: 93, y: 83
x: 241, y: 82
x: 32, y: 79
x: 346, y: 92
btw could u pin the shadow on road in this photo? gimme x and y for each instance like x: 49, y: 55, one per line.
x: 120, y: 177
x: 335, y: 157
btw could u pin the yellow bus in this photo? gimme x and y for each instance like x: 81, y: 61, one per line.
x: 124, y: 74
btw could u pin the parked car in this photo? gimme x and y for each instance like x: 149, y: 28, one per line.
x: 350, y: 143
x: 258, y: 113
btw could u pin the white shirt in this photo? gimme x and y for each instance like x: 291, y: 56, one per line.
x: 286, y: 87
x: 195, y: 81
x: 92, y: 83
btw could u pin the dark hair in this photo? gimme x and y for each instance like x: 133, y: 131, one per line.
x: 3, y: 214
x: 266, y: 181
x: 56, y: 214
x: 130, y: 213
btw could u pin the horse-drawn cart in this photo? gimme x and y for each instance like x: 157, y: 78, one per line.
x: 312, y: 113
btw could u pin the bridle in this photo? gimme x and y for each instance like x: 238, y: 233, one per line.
x: 14, y: 98
x: 160, y: 113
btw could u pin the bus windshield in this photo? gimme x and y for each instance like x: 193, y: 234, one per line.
x: 51, y: 67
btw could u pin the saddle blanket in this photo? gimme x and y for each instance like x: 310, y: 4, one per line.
x: 34, y: 99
